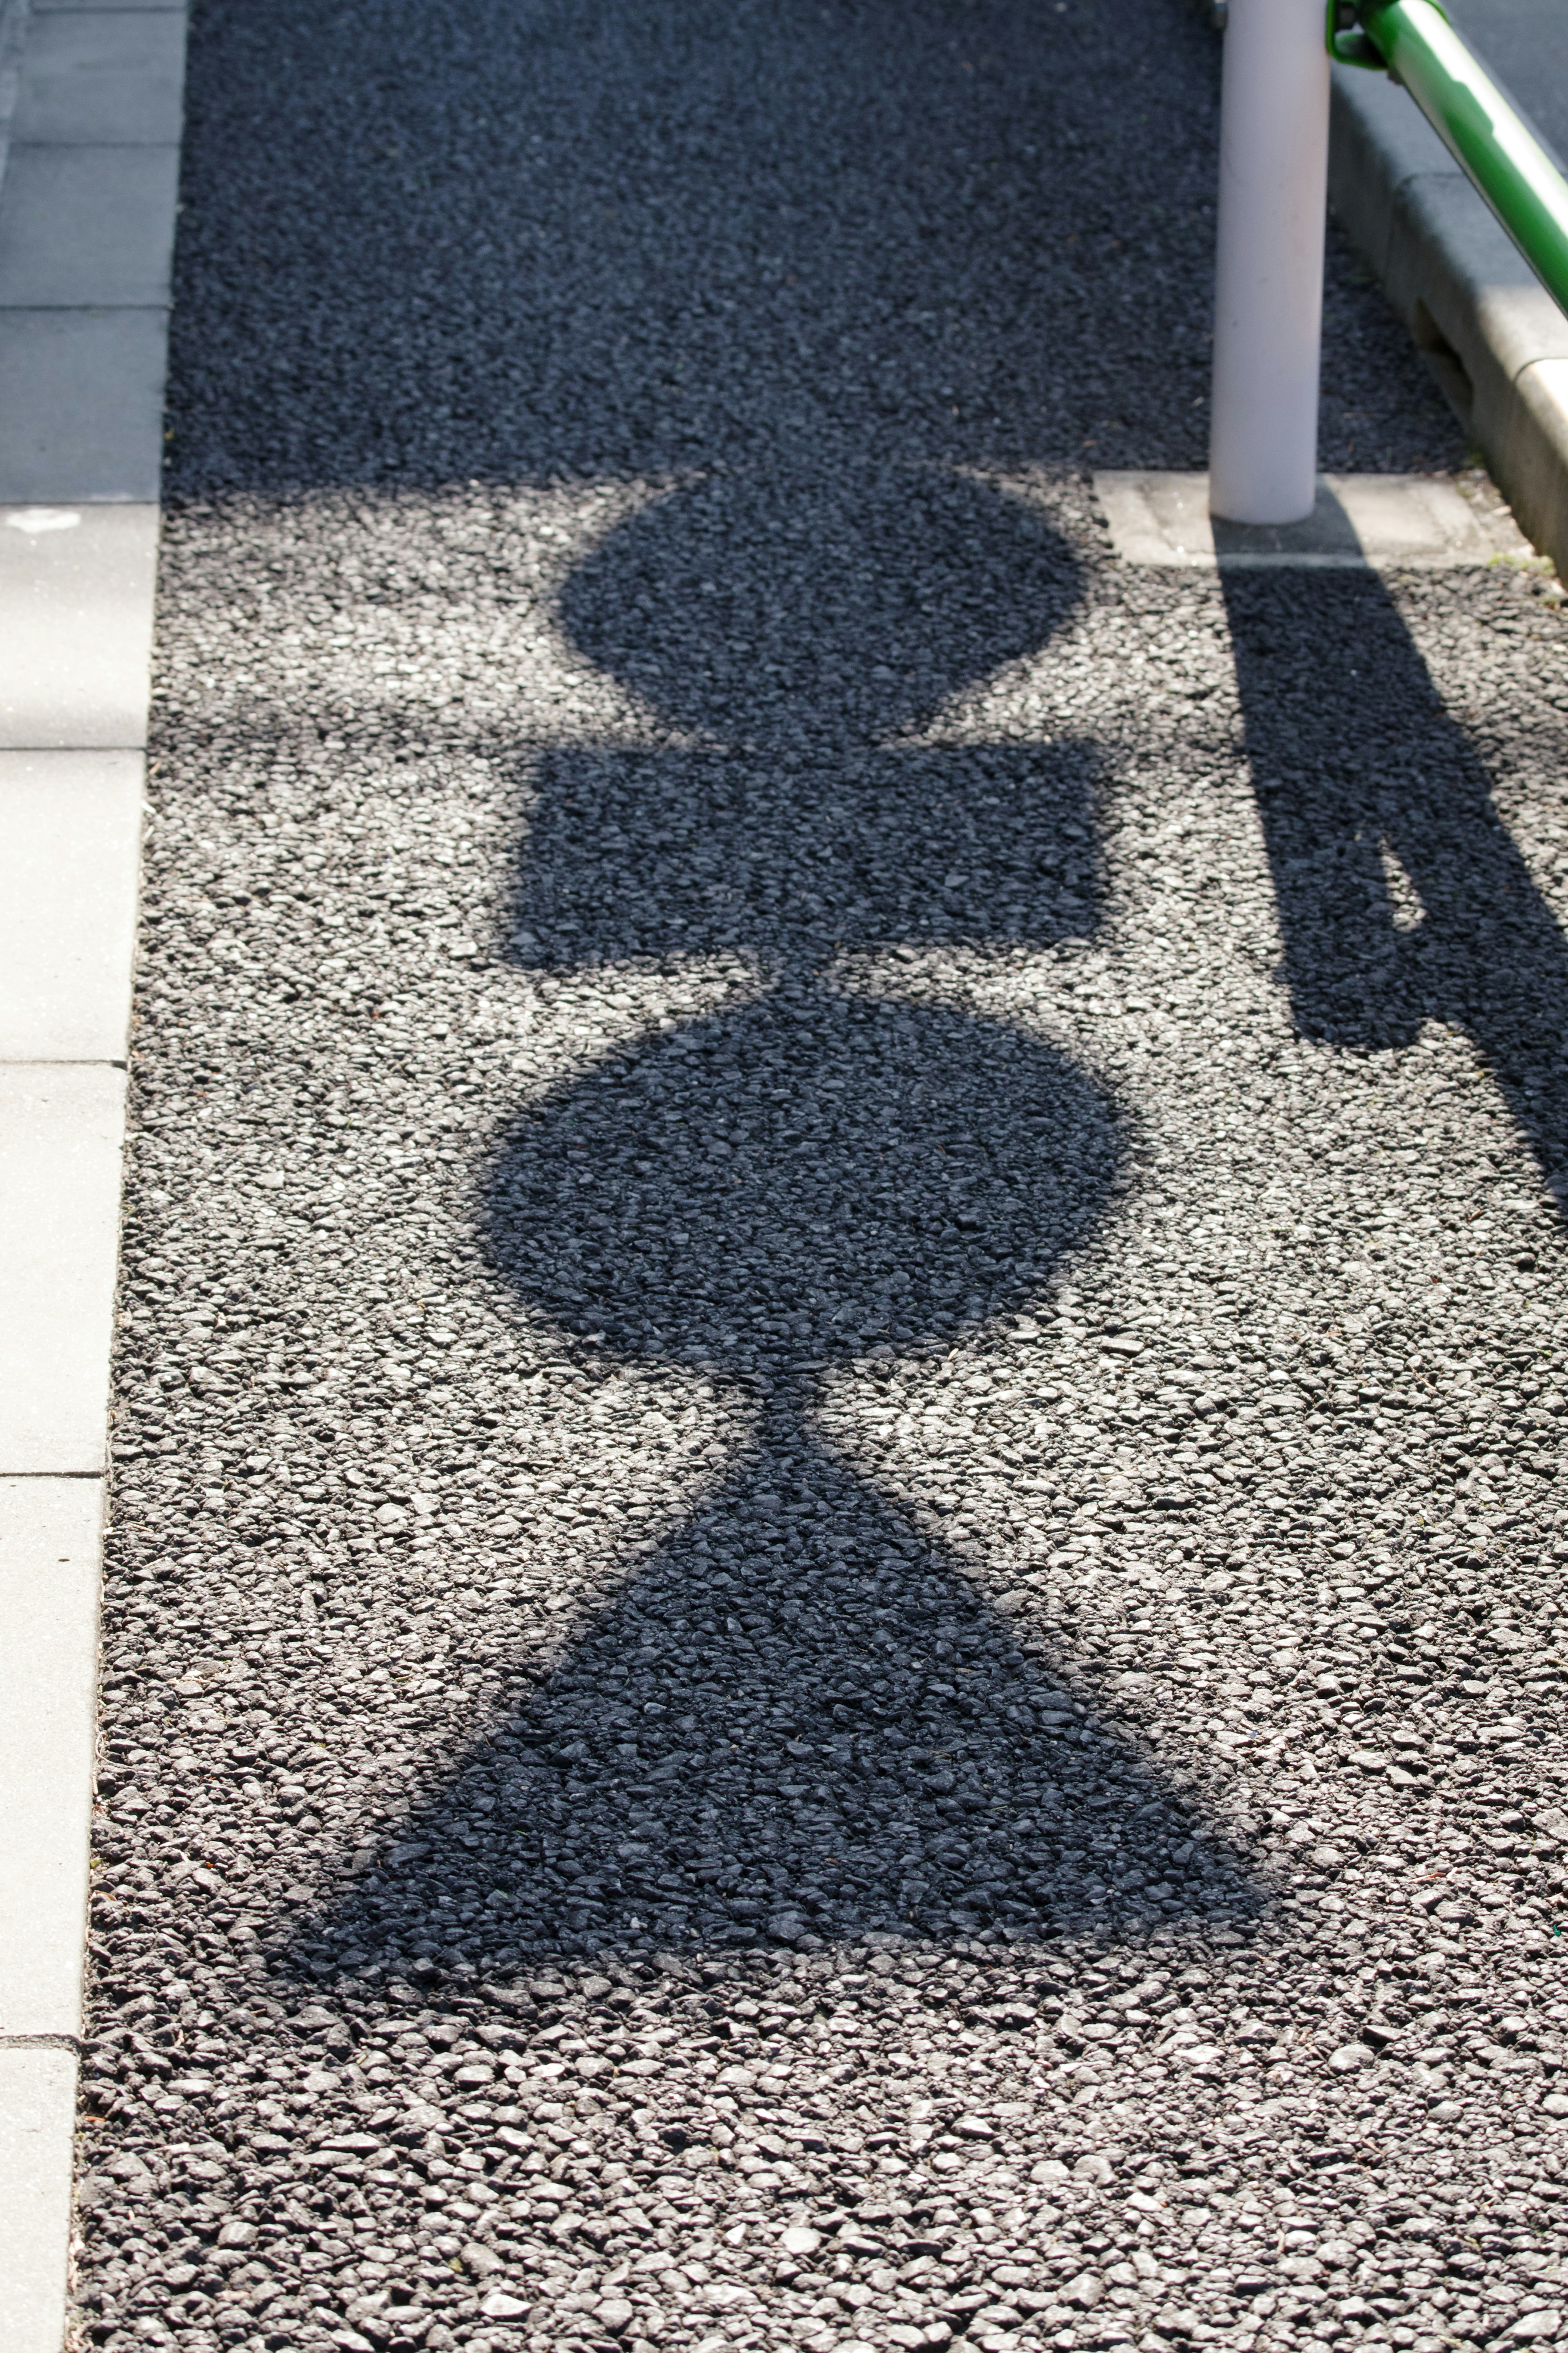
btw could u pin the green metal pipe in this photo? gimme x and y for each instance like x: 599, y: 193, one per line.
x: 1479, y: 127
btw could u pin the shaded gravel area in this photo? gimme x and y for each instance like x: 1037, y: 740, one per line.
x: 834, y: 1612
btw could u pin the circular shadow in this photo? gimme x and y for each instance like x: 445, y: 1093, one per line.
x: 769, y: 609
x: 788, y: 1184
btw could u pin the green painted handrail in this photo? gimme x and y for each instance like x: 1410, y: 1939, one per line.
x: 1492, y: 146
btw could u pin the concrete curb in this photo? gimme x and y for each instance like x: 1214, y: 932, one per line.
x: 91, y: 101
x: 1494, y: 336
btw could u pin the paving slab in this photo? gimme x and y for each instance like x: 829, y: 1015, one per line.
x: 88, y: 225
x: 103, y: 75
x: 1358, y: 523
x: 38, y: 2116
x: 12, y: 31
x: 61, y: 1126
x: 50, y: 1531
x: 81, y: 404
x: 75, y: 625
x: 69, y: 826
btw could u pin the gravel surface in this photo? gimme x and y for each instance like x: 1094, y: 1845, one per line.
x: 834, y: 1608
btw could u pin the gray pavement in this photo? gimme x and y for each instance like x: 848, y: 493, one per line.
x: 87, y: 215
x: 1525, y: 45
x: 834, y: 1607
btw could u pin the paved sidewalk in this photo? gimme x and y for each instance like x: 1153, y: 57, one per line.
x: 89, y: 121
x: 834, y: 1608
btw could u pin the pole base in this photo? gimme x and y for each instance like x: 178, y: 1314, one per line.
x: 1270, y: 521
x: 1358, y: 521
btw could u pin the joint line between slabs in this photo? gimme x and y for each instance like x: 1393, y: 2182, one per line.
x: 51, y: 1475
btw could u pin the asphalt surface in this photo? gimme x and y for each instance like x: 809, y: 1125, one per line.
x: 834, y: 1608
x: 1518, y: 43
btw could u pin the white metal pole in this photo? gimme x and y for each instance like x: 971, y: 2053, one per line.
x: 1268, y: 309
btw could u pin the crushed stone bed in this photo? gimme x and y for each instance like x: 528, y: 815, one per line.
x: 834, y: 1610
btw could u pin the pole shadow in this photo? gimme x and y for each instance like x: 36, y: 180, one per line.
x: 1377, y: 763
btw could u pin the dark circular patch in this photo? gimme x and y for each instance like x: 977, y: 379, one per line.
x: 769, y: 606
x: 796, y: 1180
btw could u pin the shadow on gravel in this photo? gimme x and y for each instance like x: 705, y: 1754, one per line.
x: 798, y: 627
x: 796, y: 1722
x: 472, y: 239
x: 1347, y: 767
x: 799, y: 1718
x: 797, y: 1181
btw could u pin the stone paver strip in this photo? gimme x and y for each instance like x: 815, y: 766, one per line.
x: 51, y: 1534
x: 87, y: 211
x: 81, y: 404
x: 69, y: 826
x: 102, y: 7
x: 93, y: 76
x: 61, y: 1130
x: 83, y: 226
x: 75, y: 625
x: 38, y: 2111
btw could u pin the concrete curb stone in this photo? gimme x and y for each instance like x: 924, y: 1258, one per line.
x: 110, y: 77
x: 1496, y: 339
x: 70, y: 824
x: 61, y: 1130
x: 81, y: 404
x: 75, y: 623
x: 89, y: 226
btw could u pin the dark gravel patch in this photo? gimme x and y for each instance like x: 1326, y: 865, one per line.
x: 425, y: 245
x: 834, y: 1615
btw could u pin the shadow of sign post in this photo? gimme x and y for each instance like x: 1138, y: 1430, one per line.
x: 798, y: 1716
